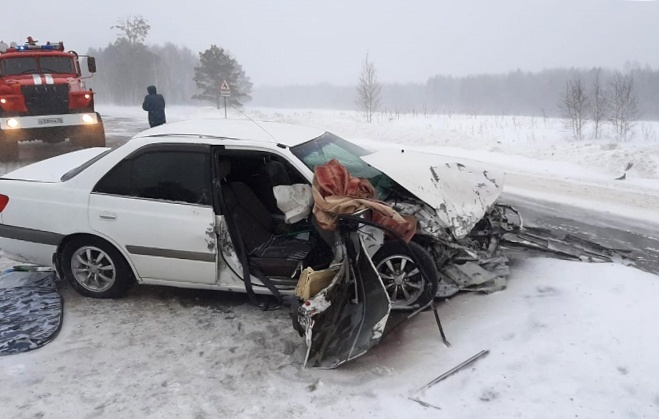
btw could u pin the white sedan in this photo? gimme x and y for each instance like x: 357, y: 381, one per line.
x: 191, y: 204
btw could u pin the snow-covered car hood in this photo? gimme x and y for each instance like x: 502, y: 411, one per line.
x: 460, y: 194
x: 52, y: 169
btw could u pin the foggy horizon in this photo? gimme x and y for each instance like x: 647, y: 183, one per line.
x: 291, y: 42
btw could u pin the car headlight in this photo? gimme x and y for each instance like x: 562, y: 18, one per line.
x: 87, y: 119
x: 12, y: 123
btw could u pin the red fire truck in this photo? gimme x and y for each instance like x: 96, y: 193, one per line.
x: 43, y: 97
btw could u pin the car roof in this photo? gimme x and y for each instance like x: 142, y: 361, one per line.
x: 236, y: 129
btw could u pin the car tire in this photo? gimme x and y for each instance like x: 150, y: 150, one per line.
x: 406, y: 286
x: 95, y: 268
x: 8, y: 148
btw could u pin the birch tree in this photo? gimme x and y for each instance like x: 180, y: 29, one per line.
x: 575, y: 106
x: 368, y: 90
x: 623, y: 105
x: 599, y: 103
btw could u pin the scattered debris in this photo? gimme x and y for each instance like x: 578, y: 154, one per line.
x: 424, y: 404
x: 455, y: 369
x: 624, y: 174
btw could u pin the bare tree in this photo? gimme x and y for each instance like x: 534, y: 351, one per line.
x: 575, y: 106
x: 624, y: 105
x: 599, y: 103
x: 132, y: 29
x: 368, y: 91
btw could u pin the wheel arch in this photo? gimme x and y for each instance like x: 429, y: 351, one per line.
x: 74, y: 236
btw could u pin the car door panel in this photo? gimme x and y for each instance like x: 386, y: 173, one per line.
x: 164, y: 240
x: 347, y: 318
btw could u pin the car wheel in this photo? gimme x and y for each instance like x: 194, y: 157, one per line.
x: 406, y: 286
x: 8, y: 148
x: 95, y: 268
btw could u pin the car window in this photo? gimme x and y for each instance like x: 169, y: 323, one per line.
x: 178, y: 176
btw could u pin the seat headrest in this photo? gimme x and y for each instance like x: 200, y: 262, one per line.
x: 277, y: 173
x: 223, y: 168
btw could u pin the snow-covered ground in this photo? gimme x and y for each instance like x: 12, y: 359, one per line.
x: 565, y: 339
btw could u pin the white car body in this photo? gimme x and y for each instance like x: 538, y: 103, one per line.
x: 181, y: 246
x: 43, y: 210
x: 177, y: 203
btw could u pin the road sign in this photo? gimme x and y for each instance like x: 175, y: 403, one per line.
x: 225, y: 90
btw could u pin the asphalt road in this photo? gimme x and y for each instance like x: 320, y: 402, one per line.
x: 607, y: 229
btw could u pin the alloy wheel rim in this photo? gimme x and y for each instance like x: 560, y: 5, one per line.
x: 402, y: 280
x: 93, y: 269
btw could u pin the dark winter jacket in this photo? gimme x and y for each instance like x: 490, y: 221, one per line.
x: 154, y: 103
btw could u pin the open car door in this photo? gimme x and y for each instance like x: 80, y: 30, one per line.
x: 348, y: 317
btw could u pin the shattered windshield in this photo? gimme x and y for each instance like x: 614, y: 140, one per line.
x: 329, y: 146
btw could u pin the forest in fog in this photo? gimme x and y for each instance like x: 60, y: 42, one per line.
x: 127, y: 66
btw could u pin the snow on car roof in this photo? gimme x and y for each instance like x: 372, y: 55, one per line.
x: 238, y: 129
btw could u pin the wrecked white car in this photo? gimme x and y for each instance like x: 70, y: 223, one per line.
x: 226, y: 205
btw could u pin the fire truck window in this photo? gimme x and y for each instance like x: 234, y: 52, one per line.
x: 56, y: 65
x: 22, y: 65
x: 178, y: 176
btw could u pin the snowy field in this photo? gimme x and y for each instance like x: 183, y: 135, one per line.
x: 565, y: 339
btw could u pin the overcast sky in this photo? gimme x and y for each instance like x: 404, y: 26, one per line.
x: 308, y: 41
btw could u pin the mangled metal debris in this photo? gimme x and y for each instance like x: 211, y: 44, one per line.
x: 466, y: 234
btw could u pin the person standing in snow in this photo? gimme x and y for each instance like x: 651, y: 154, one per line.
x: 154, y: 104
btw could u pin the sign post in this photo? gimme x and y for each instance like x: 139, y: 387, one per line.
x: 225, y: 92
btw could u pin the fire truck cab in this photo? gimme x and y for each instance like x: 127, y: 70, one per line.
x: 43, y: 97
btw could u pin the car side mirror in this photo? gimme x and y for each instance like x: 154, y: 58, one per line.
x: 91, y: 64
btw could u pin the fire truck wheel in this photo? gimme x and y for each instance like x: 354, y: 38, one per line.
x: 97, y: 137
x: 8, y: 149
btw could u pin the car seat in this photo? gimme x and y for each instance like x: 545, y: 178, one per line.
x: 275, y: 255
x: 273, y: 173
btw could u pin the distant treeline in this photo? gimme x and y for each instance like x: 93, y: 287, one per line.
x: 514, y: 93
x: 126, y: 69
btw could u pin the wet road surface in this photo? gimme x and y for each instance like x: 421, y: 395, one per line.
x: 607, y: 229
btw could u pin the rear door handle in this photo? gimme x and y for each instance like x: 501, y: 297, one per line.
x: 107, y: 216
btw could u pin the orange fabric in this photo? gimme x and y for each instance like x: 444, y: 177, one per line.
x: 335, y: 192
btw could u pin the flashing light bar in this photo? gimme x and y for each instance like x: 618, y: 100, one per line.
x: 27, y: 47
x: 31, y: 46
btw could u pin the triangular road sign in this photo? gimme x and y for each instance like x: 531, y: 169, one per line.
x: 225, y: 86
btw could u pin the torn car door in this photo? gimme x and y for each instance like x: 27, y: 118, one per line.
x: 348, y: 317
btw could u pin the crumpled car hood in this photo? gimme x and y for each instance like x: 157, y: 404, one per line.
x: 460, y: 194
